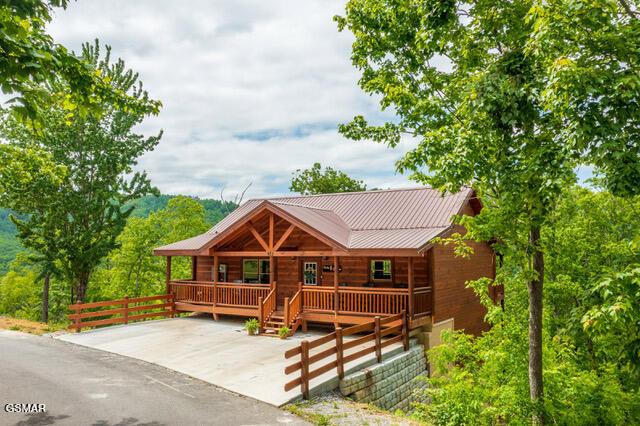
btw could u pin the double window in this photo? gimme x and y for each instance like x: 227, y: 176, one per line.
x: 381, y: 270
x: 255, y: 271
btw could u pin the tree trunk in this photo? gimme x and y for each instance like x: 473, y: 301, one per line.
x: 535, y: 327
x: 45, y: 299
x: 81, y: 287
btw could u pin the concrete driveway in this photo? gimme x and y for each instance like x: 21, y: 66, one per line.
x: 83, y: 386
x: 218, y: 352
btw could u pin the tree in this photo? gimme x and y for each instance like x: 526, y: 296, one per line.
x: 92, y: 156
x: 30, y: 58
x: 591, y: 325
x: 21, y: 292
x: 528, y: 91
x: 317, y: 181
x: 132, y: 269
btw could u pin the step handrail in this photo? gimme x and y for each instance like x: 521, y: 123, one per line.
x: 294, y: 307
x: 266, y: 307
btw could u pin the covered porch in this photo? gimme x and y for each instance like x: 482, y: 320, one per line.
x: 273, y: 266
x: 332, y: 296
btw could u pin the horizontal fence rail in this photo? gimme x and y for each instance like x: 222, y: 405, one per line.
x: 120, y: 311
x: 393, y: 329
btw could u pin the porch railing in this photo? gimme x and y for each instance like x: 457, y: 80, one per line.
x: 343, y: 300
x: 317, y: 298
x: 362, y: 300
x: 220, y: 294
x: 422, y: 301
x: 379, y: 301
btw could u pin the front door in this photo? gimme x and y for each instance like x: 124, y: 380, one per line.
x: 291, y: 271
x: 287, y: 278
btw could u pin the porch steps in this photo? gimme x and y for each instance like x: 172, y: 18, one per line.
x: 274, y: 323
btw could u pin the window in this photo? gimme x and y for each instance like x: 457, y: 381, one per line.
x: 310, y: 273
x: 222, y: 273
x: 381, y: 270
x: 255, y: 271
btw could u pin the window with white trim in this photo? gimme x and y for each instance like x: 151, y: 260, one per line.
x: 310, y: 273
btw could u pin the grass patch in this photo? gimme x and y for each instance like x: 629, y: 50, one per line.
x: 315, y: 418
x: 334, y: 410
x: 27, y: 326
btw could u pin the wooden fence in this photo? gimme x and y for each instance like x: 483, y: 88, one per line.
x: 119, y: 311
x: 373, y: 331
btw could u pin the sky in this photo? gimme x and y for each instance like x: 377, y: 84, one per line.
x: 251, y: 90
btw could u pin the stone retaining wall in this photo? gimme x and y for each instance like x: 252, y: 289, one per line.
x: 390, y: 385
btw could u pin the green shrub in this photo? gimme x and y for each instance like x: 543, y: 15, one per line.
x: 283, y: 332
x: 252, y: 326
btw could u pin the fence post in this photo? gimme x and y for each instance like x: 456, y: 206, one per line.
x: 126, y: 309
x: 76, y: 320
x: 339, y: 353
x: 260, y: 328
x: 286, y: 312
x: 405, y: 331
x: 172, y: 300
x: 304, y: 371
x: 376, y: 332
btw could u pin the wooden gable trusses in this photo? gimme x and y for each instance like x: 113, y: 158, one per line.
x: 269, y: 244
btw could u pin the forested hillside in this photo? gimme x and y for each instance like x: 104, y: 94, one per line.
x: 9, y: 245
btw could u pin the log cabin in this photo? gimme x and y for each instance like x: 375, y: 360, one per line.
x: 336, y: 258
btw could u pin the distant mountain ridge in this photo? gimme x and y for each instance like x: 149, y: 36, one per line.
x: 215, y: 210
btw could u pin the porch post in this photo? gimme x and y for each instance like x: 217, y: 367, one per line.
x: 336, y: 299
x: 411, y: 285
x: 216, y: 273
x: 271, y: 272
x: 194, y: 268
x: 168, y: 275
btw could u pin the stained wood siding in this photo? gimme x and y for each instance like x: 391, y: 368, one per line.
x: 450, y: 273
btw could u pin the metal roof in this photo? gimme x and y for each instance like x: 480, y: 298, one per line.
x: 387, y: 219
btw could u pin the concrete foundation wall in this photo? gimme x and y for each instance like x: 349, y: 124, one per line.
x: 392, y: 384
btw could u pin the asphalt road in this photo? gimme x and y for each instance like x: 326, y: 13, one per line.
x: 82, y: 386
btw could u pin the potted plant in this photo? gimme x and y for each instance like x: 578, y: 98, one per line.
x: 252, y: 325
x: 283, y: 332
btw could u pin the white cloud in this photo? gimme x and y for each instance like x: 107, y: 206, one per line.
x: 226, y: 71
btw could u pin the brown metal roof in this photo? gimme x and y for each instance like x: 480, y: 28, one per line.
x: 388, y: 219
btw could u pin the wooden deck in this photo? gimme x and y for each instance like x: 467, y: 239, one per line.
x: 311, y: 303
